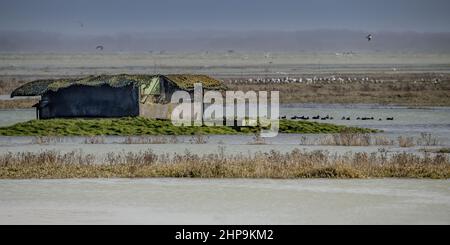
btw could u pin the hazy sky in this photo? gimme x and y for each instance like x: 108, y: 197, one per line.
x: 115, y: 16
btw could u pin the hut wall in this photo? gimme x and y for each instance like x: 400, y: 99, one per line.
x: 155, y: 110
x: 167, y: 89
x: 88, y: 101
x: 160, y: 107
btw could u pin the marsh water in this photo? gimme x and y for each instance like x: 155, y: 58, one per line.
x: 224, y: 201
x: 232, y: 201
x: 408, y: 122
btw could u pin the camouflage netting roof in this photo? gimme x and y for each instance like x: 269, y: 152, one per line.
x: 185, y: 82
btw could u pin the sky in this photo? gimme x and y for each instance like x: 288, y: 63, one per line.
x: 105, y: 17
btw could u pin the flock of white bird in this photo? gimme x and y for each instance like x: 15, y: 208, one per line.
x: 321, y: 80
x: 306, y: 80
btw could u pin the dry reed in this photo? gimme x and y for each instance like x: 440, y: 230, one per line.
x: 295, y: 164
x: 404, y: 141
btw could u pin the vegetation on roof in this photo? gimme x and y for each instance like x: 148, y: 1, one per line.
x: 111, y: 80
x: 185, y: 82
x: 33, y: 88
x: 145, y: 126
x: 39, y: 87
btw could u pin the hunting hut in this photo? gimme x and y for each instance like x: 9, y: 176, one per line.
x: 111, y: 95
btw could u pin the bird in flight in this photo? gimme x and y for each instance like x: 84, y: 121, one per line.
x: 369, y: 37
x: 99, y: 47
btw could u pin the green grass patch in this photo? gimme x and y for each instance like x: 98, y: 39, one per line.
x: 145, y: 126
x: 443, y: 150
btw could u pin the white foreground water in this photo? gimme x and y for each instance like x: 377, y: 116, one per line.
x: 224, y: 201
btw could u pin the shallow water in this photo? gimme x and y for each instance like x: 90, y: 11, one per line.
x: 224, y: 201
x: 423, y: 119
x: 10, y: 117
x: 8, y: 97
x: 410, y: 122
x: 230, y: 201
x: 406, y: 119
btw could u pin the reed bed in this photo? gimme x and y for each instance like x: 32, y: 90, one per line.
x: 404, y: 141
x: 258, y: 140
x: 405, y: 91
x: 45, y: 140
x: 365, y: 139
x: 348, y: 139
x: 341, y: 139
x: 199, y: 139
x: 295, y: 164
x: 94, y: 140
x: 150, y: 140
x: 427, y: 139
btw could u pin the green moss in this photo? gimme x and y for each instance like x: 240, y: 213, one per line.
x: 144, y: 126
x: 443, y: 150
x: 184, y: 81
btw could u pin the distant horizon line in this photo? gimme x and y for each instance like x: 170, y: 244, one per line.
x: 236, y: 51
x: 226, y: 31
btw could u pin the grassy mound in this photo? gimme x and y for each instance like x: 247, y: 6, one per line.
x: 145, y: 126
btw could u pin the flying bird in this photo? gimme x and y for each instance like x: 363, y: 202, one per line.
x: 99, y: 47
x: 369, y: 37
